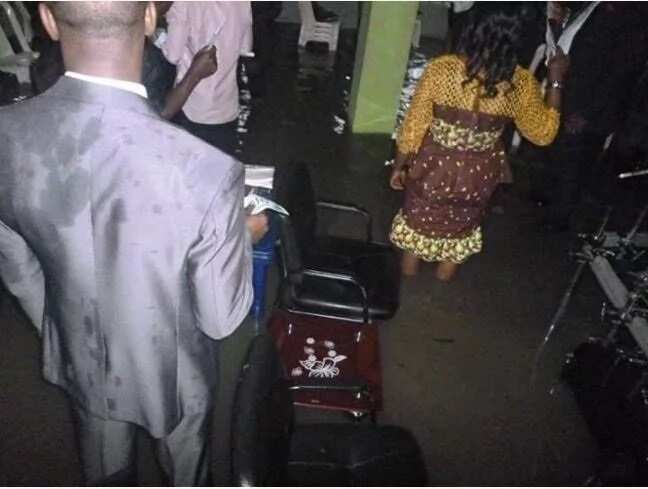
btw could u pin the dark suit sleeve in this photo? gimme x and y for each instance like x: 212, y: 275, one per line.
x: 604, y: 55
x: 22, y: 274
x: 220, y: 262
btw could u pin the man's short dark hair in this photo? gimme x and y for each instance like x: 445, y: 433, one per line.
x: 98, y: 19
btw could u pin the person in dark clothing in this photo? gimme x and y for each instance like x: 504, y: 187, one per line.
x: 158, y: 75
x: 263, y: 21
x: 630, y: 140
x: 627, y: 153
x: 533, y: 31
x: 458, y: 18
x: 604, y: 63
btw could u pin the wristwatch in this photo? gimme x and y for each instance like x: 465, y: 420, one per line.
x: 556, y: 84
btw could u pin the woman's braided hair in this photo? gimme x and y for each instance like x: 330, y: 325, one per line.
x: 489, y: 42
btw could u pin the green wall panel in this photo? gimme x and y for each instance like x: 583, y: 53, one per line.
x: 384, y: 43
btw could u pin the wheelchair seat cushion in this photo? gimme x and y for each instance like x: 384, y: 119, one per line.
x: 354, y: 455
x: 378, y: 272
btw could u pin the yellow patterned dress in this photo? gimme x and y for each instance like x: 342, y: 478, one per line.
x: 454, y: 134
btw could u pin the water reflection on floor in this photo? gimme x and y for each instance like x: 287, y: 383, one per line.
x: 456, y: 358
x: 469, y: 401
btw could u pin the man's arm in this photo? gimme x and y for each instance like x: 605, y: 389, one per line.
x: 219, y: 264
x: 248, y: 37
x: 177, y: 33
x: 21, y: 273
x: 204, y: 64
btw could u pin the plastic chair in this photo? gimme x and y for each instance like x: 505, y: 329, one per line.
x: 269, y: 450
x: 312, y: 30
x: 336, y: 277
x: 10, y: 61
x: 25, y: 20
x: 17, y: 28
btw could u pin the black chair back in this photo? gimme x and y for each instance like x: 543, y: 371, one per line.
x: 289, y: 251
x: 262, y: 418
x: 293, y: 189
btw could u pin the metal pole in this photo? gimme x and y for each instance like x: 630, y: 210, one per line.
x: 642, y: 215
x: 564, y: 302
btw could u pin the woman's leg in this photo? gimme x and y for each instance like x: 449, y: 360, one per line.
x: 409, y: 264
x: 446, y: 270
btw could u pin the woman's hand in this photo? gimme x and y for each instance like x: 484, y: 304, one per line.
x: 399, y: 173
x: 558, y: 65
x: 397, y: 179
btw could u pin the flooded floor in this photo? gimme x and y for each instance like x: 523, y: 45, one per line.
x: 457, y: 358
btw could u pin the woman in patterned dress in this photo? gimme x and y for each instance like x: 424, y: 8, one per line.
x: 450, y: 157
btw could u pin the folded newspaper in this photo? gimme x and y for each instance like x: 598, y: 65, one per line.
x: 258, y: 183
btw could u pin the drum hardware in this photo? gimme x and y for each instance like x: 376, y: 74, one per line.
x: 641, y: 312
x: 632, y: 174
x: 628, y: 311
x: 609, y: 374
x: 640, y: 278
x: 631, y: 356
x: 639, y: 388
x: 623, y: 308
x: 610, y: 317
x: 642, y: 215
x: 629, y: 247
x: 631, y: 305
x: 583, y: 257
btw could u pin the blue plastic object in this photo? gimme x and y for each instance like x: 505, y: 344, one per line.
x: 262, y: 258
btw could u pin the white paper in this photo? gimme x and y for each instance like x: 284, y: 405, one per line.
x: 257, y: 204
x: 259, y: 176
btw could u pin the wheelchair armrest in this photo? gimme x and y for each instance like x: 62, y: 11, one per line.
x: 21, y: 59
x: 352, y: 209
x: 360, y: 389
x: 343, y: 277
x: 352, y: 387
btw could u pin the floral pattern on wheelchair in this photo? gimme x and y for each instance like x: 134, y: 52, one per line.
x: 326, y: 368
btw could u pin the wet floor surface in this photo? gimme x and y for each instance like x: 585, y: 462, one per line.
x: 457, y: 358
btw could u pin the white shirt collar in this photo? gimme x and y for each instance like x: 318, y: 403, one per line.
x: 129, y: 86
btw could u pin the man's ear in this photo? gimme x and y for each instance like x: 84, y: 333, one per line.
x: 150, y: 19
x: 48, y: 20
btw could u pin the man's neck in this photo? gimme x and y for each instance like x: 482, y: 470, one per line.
x: 101, y: 61
x: 103, y: 72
